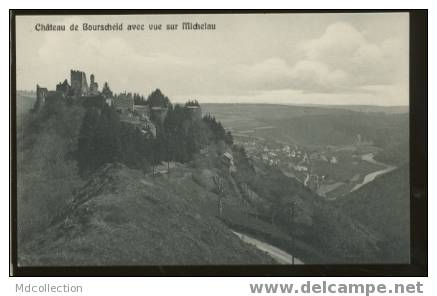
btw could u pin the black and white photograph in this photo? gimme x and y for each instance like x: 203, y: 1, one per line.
x: 216, y: 140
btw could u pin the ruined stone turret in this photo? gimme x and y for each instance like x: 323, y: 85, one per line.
x: 94, y: 86
x: 79, y: 84
x: 63, y: 87
x: 41, y: 96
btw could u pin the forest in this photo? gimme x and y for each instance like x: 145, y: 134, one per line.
x: 103, y: 138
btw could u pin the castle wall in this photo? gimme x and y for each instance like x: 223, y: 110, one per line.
x: 54, y: 95
x: 142, y: 110
x: 124, y: 103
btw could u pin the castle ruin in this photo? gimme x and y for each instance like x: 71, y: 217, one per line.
x: 124, y: 103
x: 143, y: 116
x: 63, y: 87
x: 41, y: 96
x: 78, y: 88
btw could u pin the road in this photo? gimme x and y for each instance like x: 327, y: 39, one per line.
x: 279, y: 255
x: 371, y: 176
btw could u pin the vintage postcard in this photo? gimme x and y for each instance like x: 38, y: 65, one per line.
x: 212, y: 139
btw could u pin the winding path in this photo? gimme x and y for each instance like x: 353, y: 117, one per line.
x: 279, y: 255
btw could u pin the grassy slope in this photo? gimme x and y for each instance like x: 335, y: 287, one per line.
x: 323, y: 233
x: 121, y: 217
x: 383, y: 205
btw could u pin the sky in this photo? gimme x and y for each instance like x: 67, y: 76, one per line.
x: 341, y: 59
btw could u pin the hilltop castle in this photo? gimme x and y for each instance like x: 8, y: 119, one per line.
x: 141, y: 115
x: 78, y: 88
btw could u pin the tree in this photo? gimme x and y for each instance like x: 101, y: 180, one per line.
x: 86, y: 142
x: 107, y: 140
x: 192, y: 103
x: 139, y: 99
x: 217, y: 130
x: 220, y: 190
x: 157, y: 99
x: 229, y: 139
x: 99, y: 139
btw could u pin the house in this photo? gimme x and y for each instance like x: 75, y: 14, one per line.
x: 228, y: 161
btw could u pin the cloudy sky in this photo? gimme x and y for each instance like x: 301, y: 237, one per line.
x: 261, y: 58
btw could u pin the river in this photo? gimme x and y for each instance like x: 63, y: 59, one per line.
x: 371, y: 176
x: 277, y: 254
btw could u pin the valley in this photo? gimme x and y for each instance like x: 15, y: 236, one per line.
x: 322, y: 152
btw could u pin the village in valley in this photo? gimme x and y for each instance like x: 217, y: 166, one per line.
x: 329, y: 171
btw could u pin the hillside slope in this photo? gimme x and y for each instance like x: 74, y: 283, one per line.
x: 121, y: 217
x: 383, y: 205
x: 118, y: 215
x: 324, y: 233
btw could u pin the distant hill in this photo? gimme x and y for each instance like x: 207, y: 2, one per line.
x: 384, y: 206
x: 342, y: 128
x: 230, y: 113
x: 314, y: 125
x: 367, y: 108
x: 25, y: 102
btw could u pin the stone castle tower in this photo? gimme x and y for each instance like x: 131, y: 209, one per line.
x: 94, y: 86
x: 41, y: 96
x: 79, y: 84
